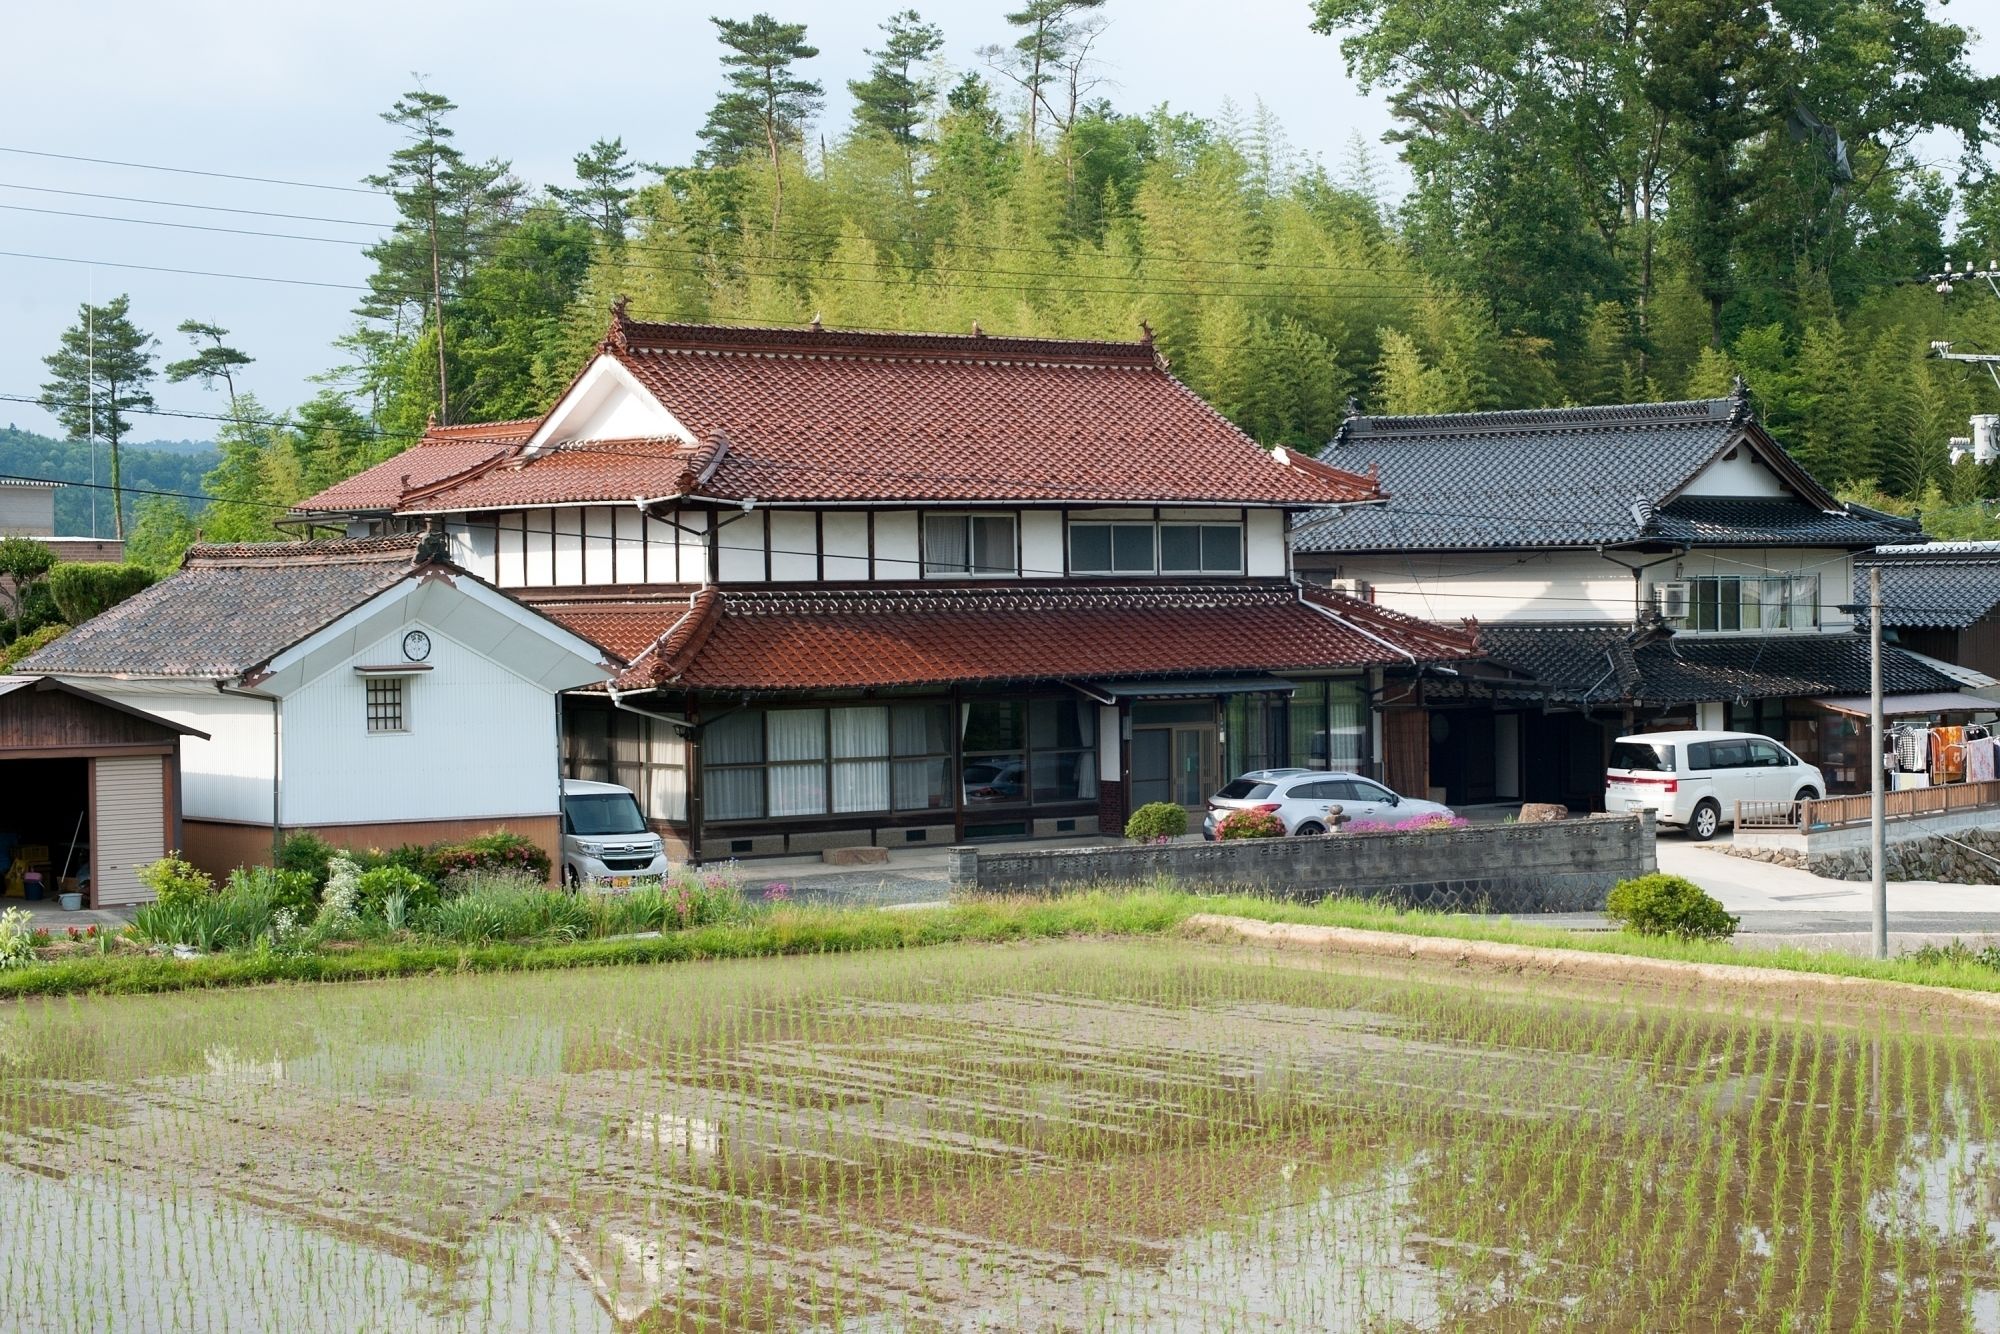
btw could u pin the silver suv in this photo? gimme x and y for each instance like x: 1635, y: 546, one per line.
x: 1303, y: 800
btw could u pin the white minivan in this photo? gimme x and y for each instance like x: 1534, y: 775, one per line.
x: 606, y: 840
x: 1693, y: 780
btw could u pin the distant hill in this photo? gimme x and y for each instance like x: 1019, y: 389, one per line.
x: 159, y: 465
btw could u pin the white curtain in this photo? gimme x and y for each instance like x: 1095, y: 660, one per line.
x: 798, y: 789
x: 860, y: 733
x: 861, y: 785
x: 796, y: 734
x: 733, y: 794
x: 946, y: 544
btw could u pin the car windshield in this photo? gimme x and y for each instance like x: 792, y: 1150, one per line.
x: 1245, y: 789
x: 603, y: 813
x: 1642, y: 757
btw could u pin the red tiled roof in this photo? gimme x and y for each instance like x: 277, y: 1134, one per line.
x: 824, y: 415
x: 860, y: 416
x: 594, y: 471
x: 443, y: 453
x: 759, y: 641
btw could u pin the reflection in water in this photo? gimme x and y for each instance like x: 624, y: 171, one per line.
x: 1071, y: 1136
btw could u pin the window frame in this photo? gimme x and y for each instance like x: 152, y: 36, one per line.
x: 1794, y: 597
x: 369, y: 704
x: 969, y: 518
x: 1158, y: 567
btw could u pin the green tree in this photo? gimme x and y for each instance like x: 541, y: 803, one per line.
x: 896, y: 98
x: 603, y: 194
x: 448, y: 208
x: 244, y: 488
x: 162, y: 531
x: 213, y: 359
x: 766, y: 103
x: 24, y: 565
x: 100, y: 371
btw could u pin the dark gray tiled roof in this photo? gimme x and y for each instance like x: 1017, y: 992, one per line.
x: 1567, y: 477
x: 1604, y: 664
x: 230, y: 608
x: 1946, y: 585
x: 1775, y: 522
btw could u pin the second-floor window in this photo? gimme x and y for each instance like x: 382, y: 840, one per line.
x: 1156, y: 548
x: 969, y: 546
x: 1754, y: 602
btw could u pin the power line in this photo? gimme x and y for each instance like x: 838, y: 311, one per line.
x: 369, y: 432
x: 206, y: 208
x: 184, y: 226
x: 190, y: 273
x: 193, y: 171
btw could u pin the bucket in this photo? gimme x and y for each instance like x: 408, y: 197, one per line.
x: 71, y: 901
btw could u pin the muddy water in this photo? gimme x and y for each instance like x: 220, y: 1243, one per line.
x: 1065, y: 1136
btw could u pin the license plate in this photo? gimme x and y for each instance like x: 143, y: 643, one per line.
x: 620, y: 882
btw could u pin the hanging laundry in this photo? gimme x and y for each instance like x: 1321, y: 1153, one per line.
x: 1947, y: 755
x: 1979, y: 760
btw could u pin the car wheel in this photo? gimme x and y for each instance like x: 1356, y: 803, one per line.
x: 1310, y: 827
x: 1705, y: 821
x: 1805, y: 794
x: 571, y: 881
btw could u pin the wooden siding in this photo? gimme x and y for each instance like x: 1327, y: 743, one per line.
x: 130, y: 826
x: 37, y: 719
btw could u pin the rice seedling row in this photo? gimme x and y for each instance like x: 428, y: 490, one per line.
x: 1066, y: 1135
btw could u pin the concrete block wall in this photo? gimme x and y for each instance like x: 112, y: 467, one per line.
x: 1561, y: 866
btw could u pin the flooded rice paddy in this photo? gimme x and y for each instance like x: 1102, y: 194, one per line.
x: 1147, y: 1135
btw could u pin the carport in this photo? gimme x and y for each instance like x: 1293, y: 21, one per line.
x: 89, y: 790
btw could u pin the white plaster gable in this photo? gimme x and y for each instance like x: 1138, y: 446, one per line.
x: 1738, y: 472
x: 606, y: 403
x: 487, y: 622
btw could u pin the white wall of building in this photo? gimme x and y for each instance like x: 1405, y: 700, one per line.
x: 29, y: 511
x: 226, y: 776
x: 1499, y: 587
x: 596, y: 545
x: 1739, y: 473
x: 481, y: 743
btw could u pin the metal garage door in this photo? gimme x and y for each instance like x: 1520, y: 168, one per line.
x: 131, y: 826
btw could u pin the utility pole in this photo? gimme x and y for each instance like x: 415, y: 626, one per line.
x: 1877, y: 840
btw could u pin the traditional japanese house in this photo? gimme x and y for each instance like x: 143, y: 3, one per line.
x: 905, y: 589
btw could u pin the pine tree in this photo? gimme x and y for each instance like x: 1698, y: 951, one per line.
x: 101, y: 370
x: 212, y: 360
x: 766, y: 104
x: 895, y: 99
x: 603, y: 193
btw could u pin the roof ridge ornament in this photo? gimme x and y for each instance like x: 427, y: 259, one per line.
x: 617, y: 335
x: 1739, y: 401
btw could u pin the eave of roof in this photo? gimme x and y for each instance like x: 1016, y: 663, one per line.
x: 768, y: 642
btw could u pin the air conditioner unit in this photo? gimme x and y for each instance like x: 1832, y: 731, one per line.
x: 1354, y: 588
x: 1671, y: 600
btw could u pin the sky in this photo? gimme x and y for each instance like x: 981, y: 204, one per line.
x: 292, y: 92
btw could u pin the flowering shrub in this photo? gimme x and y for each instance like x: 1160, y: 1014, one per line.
x: 376, y: 887
x: 1156, y: 822
x: 777, y: 892
x: 497, y: 851
x: 340, y: 901
x: 1415, y: 824
x: 1249, y: 824
x: 174, y: 882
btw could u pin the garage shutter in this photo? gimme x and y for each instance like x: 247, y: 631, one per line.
x: 131, y: 827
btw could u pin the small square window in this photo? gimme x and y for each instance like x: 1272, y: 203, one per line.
x: 385, y: 705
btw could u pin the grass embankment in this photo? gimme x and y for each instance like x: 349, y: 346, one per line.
x: 810, y: 930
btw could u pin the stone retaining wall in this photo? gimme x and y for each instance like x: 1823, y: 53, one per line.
x: 1563, y: 866
x: 1944, y: 847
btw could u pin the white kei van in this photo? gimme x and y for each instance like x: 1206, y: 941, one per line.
x: 1693, y: 780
